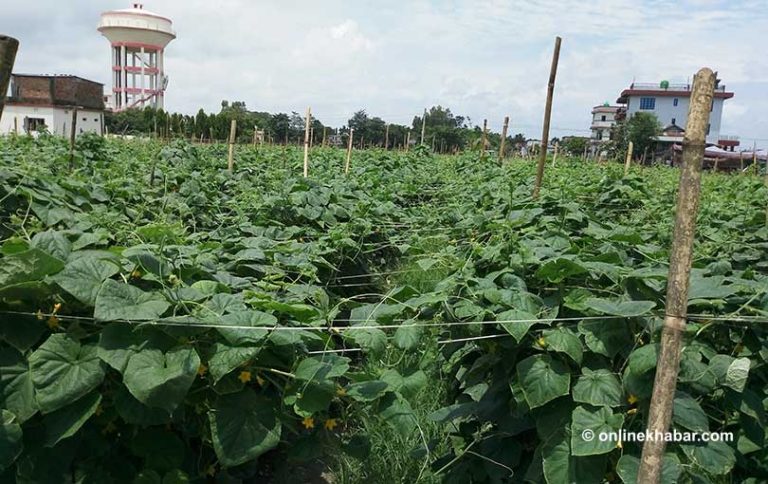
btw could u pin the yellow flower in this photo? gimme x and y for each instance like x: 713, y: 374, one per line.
x: 631, y: 411
x: 53, y: 322
x: 541, y: 342
x: 136, y: 274
x: 40, y: 315
x: 632, y: 399
x: 211, y: 470
x: 340, y: 392
x: 56, y: 308
x: 260, y: 381
x: 245, y: 376
x: 308, y: 422
x: 331, y: 423
x: 618, y: 445
x: 202, y: 370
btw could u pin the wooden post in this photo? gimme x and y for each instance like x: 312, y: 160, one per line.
x: 386, y: 137
x: 628, y: 161
x: 231, y: 156
x: 306, y: 144
x: 423, y: 126
x: 484, y: 139
x: 311, y: 137
x: 547, y: 117
x: 325, y: 131
x: 255, y: 134
x: 8, y: 48
x: 662, y: 400
x: 16, y: 125
x: 503, y: 137
x: 754, y: 157
x: 349, y: 149
x: 408, y: 141
x: 741, y: 162
x: 72, y: 135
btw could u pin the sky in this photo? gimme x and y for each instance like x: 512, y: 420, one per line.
x: 485, y: 59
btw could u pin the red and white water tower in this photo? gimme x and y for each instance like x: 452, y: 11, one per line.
x: 138, y: 38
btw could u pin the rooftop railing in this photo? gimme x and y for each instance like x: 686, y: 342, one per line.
x: 671, y: 87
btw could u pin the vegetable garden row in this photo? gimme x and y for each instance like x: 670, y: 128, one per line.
x: 164, y: 320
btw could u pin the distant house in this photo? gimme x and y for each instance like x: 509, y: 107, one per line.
x: 40, y: 102
x: 669, y: 103
x: 604, y: 118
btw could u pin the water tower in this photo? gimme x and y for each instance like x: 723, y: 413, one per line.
x: 138, y: 40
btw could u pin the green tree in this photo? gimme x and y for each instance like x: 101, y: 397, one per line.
x: 640, y: 129
x: 574, y: 144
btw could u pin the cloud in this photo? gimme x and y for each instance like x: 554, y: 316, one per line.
x: 483, y: 60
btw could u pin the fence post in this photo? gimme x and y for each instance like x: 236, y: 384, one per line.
x: 547, y: 117
x: 408, y: 141
x: 8, y: 48
x: 306, y: 143
x: 231, y: 155
x: 628, y: 161
x: 503, y: 138
x: 484, y: 139
x: 386, y: 137
x: 72, y: 135
x: 554, y: 156
x: 423, y: 126
x: 349, y: 150
x: 662, y: 400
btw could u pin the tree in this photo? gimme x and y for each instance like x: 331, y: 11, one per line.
x: 574, y: 144
x: 640, y: 129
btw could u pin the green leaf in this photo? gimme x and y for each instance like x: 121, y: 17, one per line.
x: 321, y: 368
x: 408, y: 336
x: 397, y: 413
x: 226, y: 358
x: 161, y: 450
x: 65, y: 422
x: 561, y: 467
x: 83, y: 277
x: 565, y: 341
x: 628, y: 466
x: 717, y: 458
x: 21, y: 331
x: 373, y: 340
x: 737, y: 373
x: 160, y: 379
x: 598, y: 421
x: 243, y: 426
x: 11, y: 443
x: 558, y: 270
x: 117, y: 343
x: 134, y: 412
x: 620, y: 308
x: 117, y: 301
x: 607, y: 337
x: 542, y: 379
x: 63, y: 371
x: 644, y: 358
x: 408, y: 384
x: 54, y: 243
x: 256, y: 319
x: 523, y: 322
x: 30, y: 265
x: 598, y: 388
x: 17, y: 393
x: 367, y: 391
x: 688, y: 413
x: 309, y: 398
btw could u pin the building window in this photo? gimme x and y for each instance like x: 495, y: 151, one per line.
x: 647, y: 103
x: 34, y: 124
x: 674, y: 102
x: 602, y: 118
x: 673, y: 120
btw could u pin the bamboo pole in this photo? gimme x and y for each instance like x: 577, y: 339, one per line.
x: 386, y: 137
x: 503, y: 138
x: 547, y: 117
x: 741, y: 162
x: 662, y: 400
x: 325, y: 133
x: 231, y: 155
x: 423, y: 126
x: 628, y: 161
x: 554, y: 156
x: 8, y: 48
x: 306, y: 143
x: 72, y: 135
x: 484, y: 138
x: 408, y: 141
x: 311, y: 137
x: 349, y: 150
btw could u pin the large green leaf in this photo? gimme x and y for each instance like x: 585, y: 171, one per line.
x: 717, y: 458
x: 543, y: 379
x: 243, y: 426
x: 83, y: 277
x: 117, y: 343
x: 256, y: 320
x: 117, y: 301
x: 592, y: 429
x: 644, y: 358
x: 737, y: 373
x: 564, y: 340
x: 688, y: 413
x: 52, y: 242
x: 161, y: 449
x: 628, y: 466
x: 397, y: 413
x: 65, y: 422
x: 620, y: 308
x: 11, y: 443
x: 321, y: 368
x: 367, y: 391
x: 519, y: 324
x: 30, y: 265
x: 560, y: 466
x: 560, y: 269
x: 408, y: 336
x: 607, y: 337
x: 21, y: 331
x: 17, y: 393
x: 63, y: 370
x: 160, y: 379
x: 226, y: 358
x: 134, y: 412
x: 598, y: 388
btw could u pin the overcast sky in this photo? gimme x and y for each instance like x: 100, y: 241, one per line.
x: 483, y: 59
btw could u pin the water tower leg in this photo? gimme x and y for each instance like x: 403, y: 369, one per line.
x: 8, y: 48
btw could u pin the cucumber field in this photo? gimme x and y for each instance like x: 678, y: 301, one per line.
x: 420, y: 318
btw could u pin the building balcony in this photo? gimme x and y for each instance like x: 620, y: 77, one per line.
x: 649, y: 86
x: 603, y: 124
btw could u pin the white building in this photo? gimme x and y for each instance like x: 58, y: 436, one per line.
x: 669, y: 103
x: 36, y: 103
x: 604, y: 118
